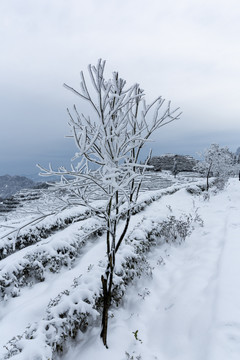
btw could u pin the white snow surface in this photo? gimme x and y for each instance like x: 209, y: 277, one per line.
x: 188, y: 310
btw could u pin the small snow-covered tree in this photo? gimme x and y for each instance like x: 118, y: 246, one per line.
x: 109, y: 143
x: 216, y: 161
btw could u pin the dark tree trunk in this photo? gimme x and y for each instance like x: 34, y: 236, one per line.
x: 207, y: 182
x: 208, y: 175
x: 105, y: 312
x: 107, y: 282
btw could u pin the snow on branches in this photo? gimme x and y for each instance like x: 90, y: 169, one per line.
x: 109, y: 142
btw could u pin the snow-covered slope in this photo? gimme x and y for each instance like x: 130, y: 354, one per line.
x: 185, y: 305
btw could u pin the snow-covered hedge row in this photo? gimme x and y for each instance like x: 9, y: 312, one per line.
x: 32, y: 234
x: 49, y: 255
x: 73, y: 310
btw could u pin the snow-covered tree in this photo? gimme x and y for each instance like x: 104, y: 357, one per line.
x: 216, y: 161
x: 109, y: 141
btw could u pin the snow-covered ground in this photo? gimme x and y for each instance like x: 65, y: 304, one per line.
x: 188, y: 309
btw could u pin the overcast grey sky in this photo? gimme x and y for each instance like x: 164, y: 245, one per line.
x: 187, y: 51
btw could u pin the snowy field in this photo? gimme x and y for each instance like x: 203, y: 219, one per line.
x: 184, y: 306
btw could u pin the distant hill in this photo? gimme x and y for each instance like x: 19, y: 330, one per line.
x: 9, y: 185
x: 168, y: 161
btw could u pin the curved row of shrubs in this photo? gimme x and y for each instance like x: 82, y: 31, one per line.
x: 60, y: 250
x: 39, y: 229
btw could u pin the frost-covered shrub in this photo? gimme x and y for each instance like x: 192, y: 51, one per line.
x: 219, y: 183
x: 195, y: 189
x: 175, y: 230
x: 199, y: 188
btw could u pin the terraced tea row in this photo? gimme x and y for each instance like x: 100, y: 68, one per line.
x: 18, y: 236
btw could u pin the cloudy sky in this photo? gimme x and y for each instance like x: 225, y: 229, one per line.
x: 187, y: 51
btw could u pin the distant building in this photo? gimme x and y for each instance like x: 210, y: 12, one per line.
x: 172, y: 161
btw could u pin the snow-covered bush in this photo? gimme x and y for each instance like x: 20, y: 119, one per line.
x: 175, y: 230
x: 219, y: 183
x: 196, y: 189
